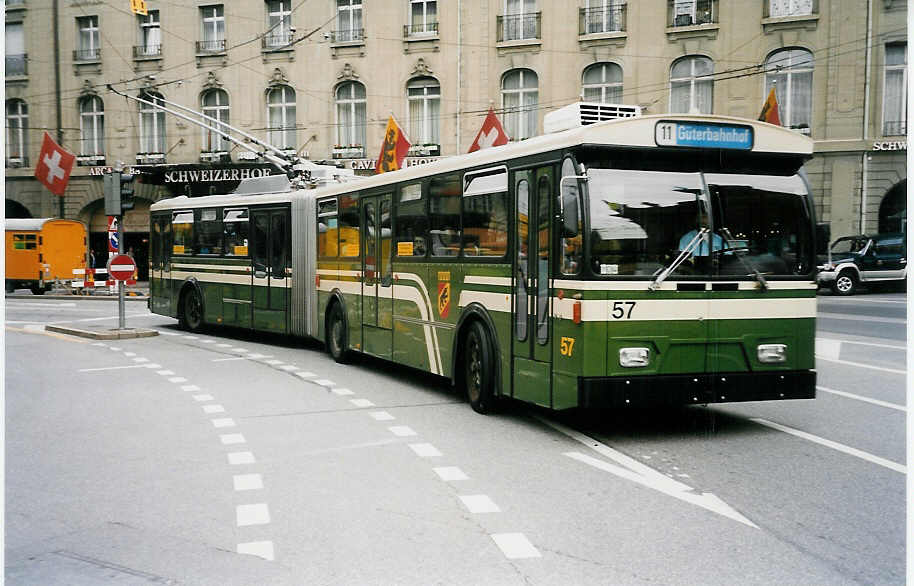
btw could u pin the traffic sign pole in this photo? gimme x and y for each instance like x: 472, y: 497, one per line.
x: 121, y: 314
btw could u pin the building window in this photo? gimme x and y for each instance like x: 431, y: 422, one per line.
x: 895, y: 96
x: 279, y: 23
x: 17, y: 126
x: 349, y: 21
x: 15, y: 50
x: 521, y: 21
x: 88, y: 38
x: 213, y: 20
x: 779, y: 8
x: 281, y: 114
x: 215, y: 104
x: 424, y: 96
x: 691, y: 85
x: 423, y: 17
x: 152, y: 124
x: 790, y: 72
x: 519, y: 98
x: 692, y: 12
x: 603, y: 83
x: 92, y: 125
x: 350, y: 114
x: 602, y: 16
x: 150, y: 34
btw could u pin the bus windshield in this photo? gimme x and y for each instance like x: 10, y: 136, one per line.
x: 641, y: 222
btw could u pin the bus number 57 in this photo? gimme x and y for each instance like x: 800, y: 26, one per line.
x: 619, y: 309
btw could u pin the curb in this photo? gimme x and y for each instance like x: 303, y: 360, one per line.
x: 139, y: 297
x: 103, y: 334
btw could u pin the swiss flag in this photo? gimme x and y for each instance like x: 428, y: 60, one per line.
x: 54, y: 165
x: 491, y: 134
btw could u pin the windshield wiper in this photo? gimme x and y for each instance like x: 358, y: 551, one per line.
x: 747, y: 264
x: 696, y: 240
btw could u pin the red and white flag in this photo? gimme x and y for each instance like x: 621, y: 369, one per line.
x: 54, y: 165
x: 491, y: 134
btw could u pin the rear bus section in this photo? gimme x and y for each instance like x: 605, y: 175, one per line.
x: 40, y: 252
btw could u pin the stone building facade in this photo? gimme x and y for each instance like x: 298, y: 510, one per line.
x: 321, y: 77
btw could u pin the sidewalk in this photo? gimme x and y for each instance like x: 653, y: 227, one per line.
x: 131, y: 292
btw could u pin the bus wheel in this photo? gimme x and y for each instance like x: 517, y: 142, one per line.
x: 37, y: 290
x: 336, y: 335
x: 845, y: 284
x: 192, y: 316
x: 479, y: 369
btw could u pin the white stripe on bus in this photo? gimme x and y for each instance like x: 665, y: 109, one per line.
x: 688, y: 309
x: 671, y: 285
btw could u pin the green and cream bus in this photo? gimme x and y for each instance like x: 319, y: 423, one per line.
x: 639, y: 261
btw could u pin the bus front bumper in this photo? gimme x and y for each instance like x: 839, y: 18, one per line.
x: 700, y: 388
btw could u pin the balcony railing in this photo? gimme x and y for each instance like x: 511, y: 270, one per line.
x: 419, y: 30
x: 90, y: 160
x: 895, y: 128
x: 782, y: 10
x: 87, y: 54
x: 17, y: 162
x: 147, y: 51
x: 347, y: 152
x: 276, y: 40
x: 211, y: 46
x: 692, y: 13
x: 17, y: 65
x: 15, y: 3
x: 609, y: 19
x: 517, y: 27
x: 354, y: 35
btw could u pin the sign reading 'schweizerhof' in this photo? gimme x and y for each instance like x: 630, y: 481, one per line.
x: 696, y: 134
x: 213, y: 175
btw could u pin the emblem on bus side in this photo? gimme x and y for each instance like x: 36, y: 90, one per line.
x: 444, y: 294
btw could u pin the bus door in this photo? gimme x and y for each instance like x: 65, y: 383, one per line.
x: 271, y: 260
x: 377, y: 277
x: 532, y: 347
x: 160, y: 287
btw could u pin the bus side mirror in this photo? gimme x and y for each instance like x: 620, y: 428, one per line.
x: 570, y: 222
x: 823, y: 235
x: 569, y: 215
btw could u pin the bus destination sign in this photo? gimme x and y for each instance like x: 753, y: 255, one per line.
x: 702, y: 135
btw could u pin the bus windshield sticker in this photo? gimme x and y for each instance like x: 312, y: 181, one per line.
x: 609, y: 269
x: 411, y: 192
x: 703, y: 135
x: 404, y: 248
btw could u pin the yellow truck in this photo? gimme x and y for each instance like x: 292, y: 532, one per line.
x: 40, y: 251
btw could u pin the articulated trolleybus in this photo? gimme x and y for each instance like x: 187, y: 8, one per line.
x: 637, y: 261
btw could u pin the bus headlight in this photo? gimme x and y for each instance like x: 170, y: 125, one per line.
x: 634, y: 357
x: 771, y: 353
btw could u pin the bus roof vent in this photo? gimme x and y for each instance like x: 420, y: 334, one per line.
x: 584, y: 113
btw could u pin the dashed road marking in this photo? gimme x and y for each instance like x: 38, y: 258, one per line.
x: 110, y: 368
x: 229, y: 359
x: 203, y: 397
x: 288, y: 367
x: 262, y: 549
x: 140, y: 359
x: 177, y: 379
x: 479, y: 503
x: 228, y: 422
x: 340, y: 392
x: 895, y: 406
x: 247, y: 481
x: 224, y: 345
x: 305, y: 374
x: 860, y: 365
x: 130, y: 354
x: 190, y: 388
x: 361, y: 402
x: 402, y: 431
x: 165, y: 372
x: 425, y: 450
x: 515, y: 546
x: 152, y: 365
x: 213, y: 409
x: 238, y: 458
x: 229, y: 439
x: 273, y: 362
x: 450, y: 473
x: 256, y: 514
x: 382, y: 416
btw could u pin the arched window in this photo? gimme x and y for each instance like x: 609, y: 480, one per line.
x: 17, y: 126
x: 152, y: 124
x: 790, y: 72
x: 281, y: 114
x: 350, y: 114
x: 92, y: 125
x: 424, y: 97
x: 519, y: 98
x: 215, y: 104
x: 603, y: 83
x: 691, y: 86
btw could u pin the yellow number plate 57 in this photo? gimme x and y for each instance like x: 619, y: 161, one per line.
x: 566, y: 347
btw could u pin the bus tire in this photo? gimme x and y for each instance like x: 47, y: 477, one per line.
x: 191, y: 317
x: 845, y: 283
x: 37, y: 290
x: 479, y: 369
x: 337, y: 335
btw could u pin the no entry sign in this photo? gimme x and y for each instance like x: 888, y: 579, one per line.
x: 121, y: 267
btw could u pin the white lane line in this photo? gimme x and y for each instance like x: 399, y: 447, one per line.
x: 324, y: 382
x: 238, y: 458
x: 224, y: 345
x: 165, y: 372
x: 261, y: 549
x: 861, y: 299
x: 425, y: 450
x: 227, y: 422
x: 239, y: 350
x: 892, y: 346
x: 861, y: 365
x: 273, y: 362
x: 203, y: 397
x: 257, y: 514
x: 229, y: 359
x: 257, y: 356
x: 833, y: 445
x: 515, y: 546
x: 288, y: 367
x: 853, y: 317
x: 19, y: 304
x: 361, y: 402
x: 99, y: 344
x: 208, y: 341
x: 450, y: 473
x: 479, y: 503
x: 247, y: 481
x: 138, y: 359
x: 131, y: 354
x: 190, y: 388
x: 865, y: 399
x: 110, y: 368
x: 402, y: 431
x: 382, y: 416
x: 230, y: 439
x: 213, y: 409
x: 305, y: 374
x: 340, y: 392
x: 152, y: 365
x: 115, y: 348
x: 177, y: 379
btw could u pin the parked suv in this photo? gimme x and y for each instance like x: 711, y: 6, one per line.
x: 879, y: 258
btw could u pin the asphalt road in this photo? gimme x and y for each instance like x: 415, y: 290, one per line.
x: 161, y: 459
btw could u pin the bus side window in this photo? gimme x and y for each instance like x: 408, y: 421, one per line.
x: 444, y: 215
x: 485, y: 214
x: 328, y: 232
x: 572, y: 230
x: 349, y: 226
x: 182, y: 232
x: 235, y: 226
x: 208, y: 232
x: 411, y: 223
